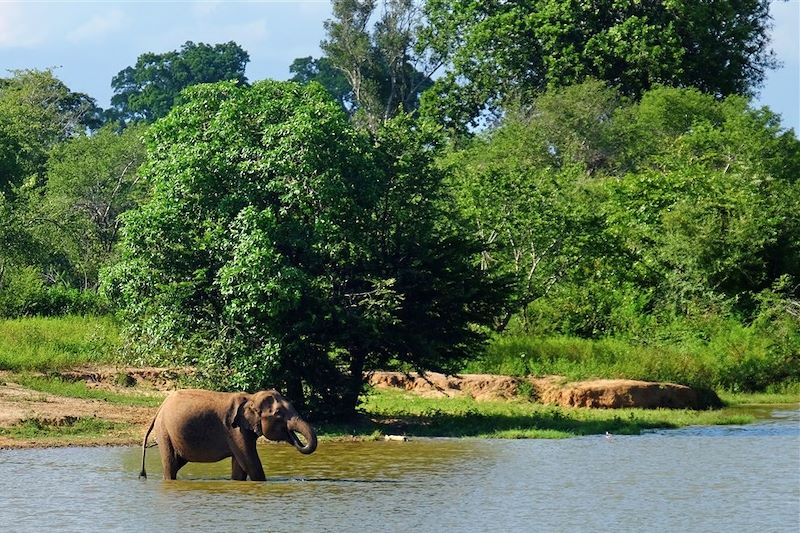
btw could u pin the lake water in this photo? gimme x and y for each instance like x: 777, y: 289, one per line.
x: 732, y: 478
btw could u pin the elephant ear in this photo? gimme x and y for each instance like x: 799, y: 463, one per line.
x: 235, y: 417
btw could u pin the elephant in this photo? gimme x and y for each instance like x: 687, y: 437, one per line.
x: 203, y: 426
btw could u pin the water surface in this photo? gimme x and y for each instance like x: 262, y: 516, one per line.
x: 724, y: 478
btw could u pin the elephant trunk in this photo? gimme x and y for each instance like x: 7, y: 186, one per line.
x: 304, y: 428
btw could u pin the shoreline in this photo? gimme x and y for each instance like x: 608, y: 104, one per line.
x: 51, y: 411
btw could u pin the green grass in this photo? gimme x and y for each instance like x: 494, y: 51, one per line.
x: 736, y: 361
x: 398, y: 412
x: 46, y: 344
x: 78, y: 389
x: 36, y: 428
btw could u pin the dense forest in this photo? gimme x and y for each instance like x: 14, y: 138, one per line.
x: 519, y: 187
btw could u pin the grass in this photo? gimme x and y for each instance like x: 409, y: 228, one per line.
x: 398, y: 412
x: 80, y: 428
x: 47, y: 344
x: 736, y: 361
x: 77, y: 389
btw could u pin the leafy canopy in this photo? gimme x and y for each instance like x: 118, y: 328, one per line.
x: 149, y: 89
x: 284, y: 247
x: 505, y: 50
x: 37, y: 111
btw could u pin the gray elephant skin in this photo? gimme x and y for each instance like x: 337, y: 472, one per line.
x: 203, y: 426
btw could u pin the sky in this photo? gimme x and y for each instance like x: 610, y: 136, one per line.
x: 89, y: 42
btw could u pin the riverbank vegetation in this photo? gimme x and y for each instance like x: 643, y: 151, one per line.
x: 119, y: 412
x: 580, y: 208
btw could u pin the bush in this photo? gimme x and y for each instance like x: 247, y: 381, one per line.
x: 24, y: 293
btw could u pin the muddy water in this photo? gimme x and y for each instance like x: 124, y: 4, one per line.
x: 743, y: 478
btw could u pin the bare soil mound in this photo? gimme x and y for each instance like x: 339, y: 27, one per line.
x: 556, y: 390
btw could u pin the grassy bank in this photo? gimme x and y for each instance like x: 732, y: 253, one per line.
x: 33, y: 350
x: 731, y: 362
x: 383, y: 412
x: 45, y: 344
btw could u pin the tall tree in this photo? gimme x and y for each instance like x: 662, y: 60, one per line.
x: 523, y: 186
x: 502, y: 50
x: 307, y: 69
x: 382, y: 65
x: 148, y: 90
x: 294, y: 249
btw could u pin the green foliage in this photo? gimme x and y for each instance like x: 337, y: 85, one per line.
x: 670, y: 225
x: 62, y: 193
x: 24, y: 293
x: 524, y: 188
x: 282, y: 247
x: 36, y: 428
x: 148, y: 90
x: 91, y: 180
x: 43, y: 344
x: 503, y: 50
x: 374, y: 74
x: 37, y: 111
x: 307, y: 69
x: 730, y: 357
x: 711, y: 212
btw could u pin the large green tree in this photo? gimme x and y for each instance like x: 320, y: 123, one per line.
x: 307, y: 69
x: 295, y: 250
x: 149, y: 89
x: 710, y: 209
x: 504, y: 50
x: 524, y: 187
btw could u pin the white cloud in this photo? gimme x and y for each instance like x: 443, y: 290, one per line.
x: 19, y: 27
x: 97, y: 26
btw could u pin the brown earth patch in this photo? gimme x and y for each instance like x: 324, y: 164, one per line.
x: 18, y: 404
x: 556, y: 390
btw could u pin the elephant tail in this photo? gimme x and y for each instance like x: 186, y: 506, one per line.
x: 143, y: 474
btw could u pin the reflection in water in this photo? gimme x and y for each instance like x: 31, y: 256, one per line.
x: 698, y: 479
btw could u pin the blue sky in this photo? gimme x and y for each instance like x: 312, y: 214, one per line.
x: 89, y: 42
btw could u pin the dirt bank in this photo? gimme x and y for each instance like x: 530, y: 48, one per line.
x: 50, y: 413
x: 19, y: 404
x: 555, y: 390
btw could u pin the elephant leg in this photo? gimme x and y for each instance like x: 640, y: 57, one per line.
x: 237, y: 472
x: 245, y: 457
x: 170, y: 461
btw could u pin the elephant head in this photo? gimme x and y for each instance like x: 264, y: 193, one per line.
x: 267, y: 413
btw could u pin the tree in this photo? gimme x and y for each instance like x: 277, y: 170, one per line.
x: 37, y: 111
x: 148, y: 90
x: 711, y: 211
x: 283, y: 247
x: 502, y: 50
x: 91, y: 181
x: 523, y: 186
x: 308, y: 69
x: 383, y: 68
